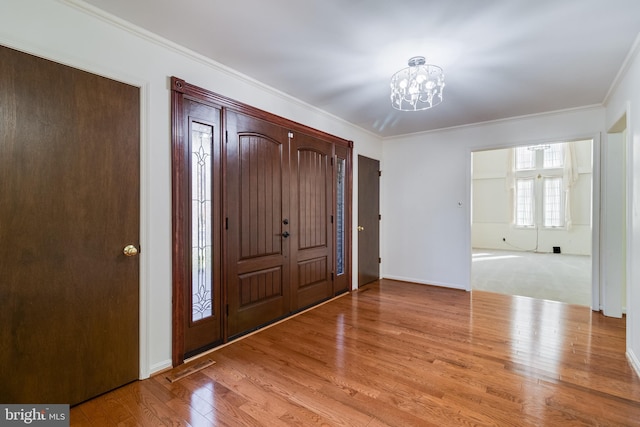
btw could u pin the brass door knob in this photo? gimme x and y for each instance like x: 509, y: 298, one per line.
x: 130, y: 250
x: 360, y: 228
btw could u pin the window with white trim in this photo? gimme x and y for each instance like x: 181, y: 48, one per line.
x: 524, y: 202
x: 539, y: 190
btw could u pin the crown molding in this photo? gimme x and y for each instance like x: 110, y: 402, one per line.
x: 151, y: 37
x: 626, y: 64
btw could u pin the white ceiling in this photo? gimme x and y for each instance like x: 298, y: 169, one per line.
x: 501, y: 58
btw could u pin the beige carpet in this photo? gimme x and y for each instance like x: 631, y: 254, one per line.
x: 557, y: 277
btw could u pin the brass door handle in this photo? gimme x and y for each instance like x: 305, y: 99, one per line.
x: 360, y: 228
x: 130, y: 250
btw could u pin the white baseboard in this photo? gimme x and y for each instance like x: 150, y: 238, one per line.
x: 635, y: 362
x: 159, y: 367
x: 424, y: 282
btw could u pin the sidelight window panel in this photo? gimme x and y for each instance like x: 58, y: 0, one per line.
x: 340, y: 216
x: 201, y: 226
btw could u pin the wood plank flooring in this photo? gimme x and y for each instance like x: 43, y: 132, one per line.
x: 401, y: 354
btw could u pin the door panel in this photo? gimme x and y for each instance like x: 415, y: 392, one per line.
x: 257, y: 256
x: 69, y: 192
x: 368, y: 220
x: 312, y: 238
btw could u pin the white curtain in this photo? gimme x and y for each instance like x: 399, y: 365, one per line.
x: 510, y: 185
x: 569, y: 178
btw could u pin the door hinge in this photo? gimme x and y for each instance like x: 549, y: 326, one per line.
x: 379, y: 260
x: 226, y: 136
x: 332, y: 276
x: 379, y: 217
x: 332, y: 161
x: 379, y: 173
x: 227, y: 309
x: 331, y: 219
x: 226, y: 223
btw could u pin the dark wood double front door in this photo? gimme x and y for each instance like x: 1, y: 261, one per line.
x: 274, y: 204
x: 279, y: 243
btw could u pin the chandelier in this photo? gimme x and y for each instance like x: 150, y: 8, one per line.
x: 417, y: 87
x: 539, y: 147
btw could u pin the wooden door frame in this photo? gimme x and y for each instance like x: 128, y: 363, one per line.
x: 180, y: 88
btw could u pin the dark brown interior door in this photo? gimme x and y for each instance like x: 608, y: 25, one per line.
x: 311, y: 237
x: 368, y: 220
x: 197, y: 213
x: 258, y: 222
x: 69, y: 204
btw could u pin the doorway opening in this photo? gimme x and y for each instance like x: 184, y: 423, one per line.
x: 613, y: 273
x: 531, y: 230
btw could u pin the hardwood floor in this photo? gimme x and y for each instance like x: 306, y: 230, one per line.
x: 400, y: 354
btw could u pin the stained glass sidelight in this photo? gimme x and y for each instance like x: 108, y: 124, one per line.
x: 201, y: 227
x: 340, y: 219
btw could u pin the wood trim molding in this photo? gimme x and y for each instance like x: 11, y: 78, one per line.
x: 178, y: 234
x: 224, y: 102
x: 177, y: 85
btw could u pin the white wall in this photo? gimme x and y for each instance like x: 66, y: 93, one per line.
x: 625, y: 99
x: 427, y: 185
x: 75, y: 34
x: 492, y: 206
